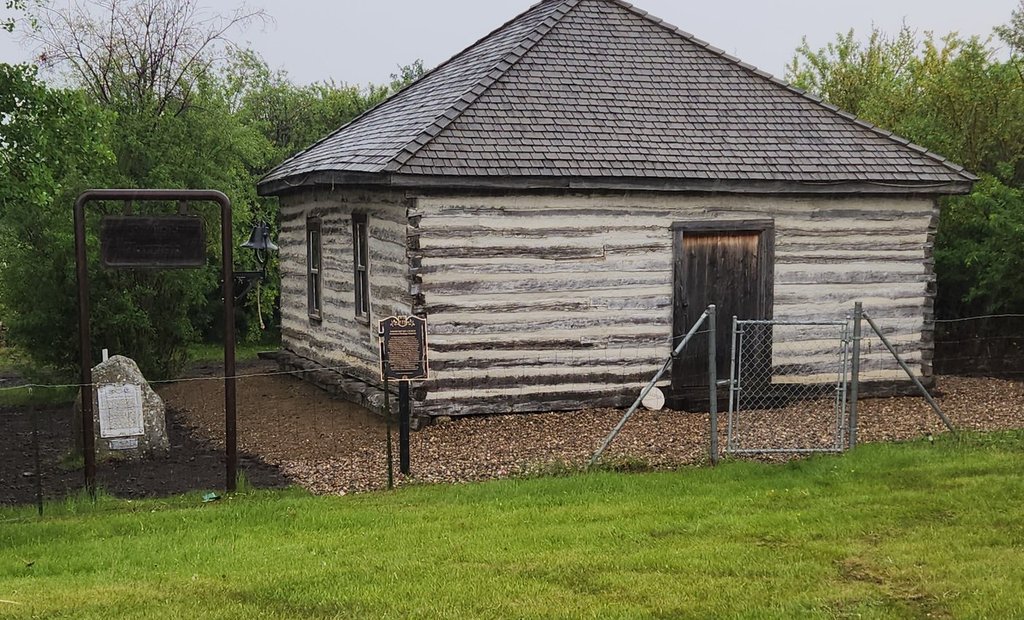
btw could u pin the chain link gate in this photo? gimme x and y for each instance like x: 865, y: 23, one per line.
x: 787, y: 387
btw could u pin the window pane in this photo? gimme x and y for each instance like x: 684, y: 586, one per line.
x: 363, y: 306
x: 314, y: 250
x: 360, y: 242
x: 313, y: 253
x: 314, y: 294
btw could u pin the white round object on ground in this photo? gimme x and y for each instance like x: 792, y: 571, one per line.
x: 654, y: 400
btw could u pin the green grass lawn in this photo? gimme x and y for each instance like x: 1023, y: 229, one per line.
x: 11, y: 361
x: 911, y: 530
x: 214, y: 353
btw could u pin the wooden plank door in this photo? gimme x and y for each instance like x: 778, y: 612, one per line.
x: 731, y: 265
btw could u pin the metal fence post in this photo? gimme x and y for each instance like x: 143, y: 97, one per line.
x: 858, y: 316
x: 732, y: 385
x: 713, y: 381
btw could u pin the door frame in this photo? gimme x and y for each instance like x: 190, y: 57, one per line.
x: 765, y: 228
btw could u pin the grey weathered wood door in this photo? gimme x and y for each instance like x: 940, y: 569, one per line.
x: 729, y: 264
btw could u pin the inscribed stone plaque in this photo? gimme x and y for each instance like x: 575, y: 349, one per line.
x: 131, y: 443
x: 403, y: 347
x: 165, y: 241
x: 120, y: 409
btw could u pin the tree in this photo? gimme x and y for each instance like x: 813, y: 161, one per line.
x: 52, y: 145
x: 1013, y: 33
x: 176, y: 106
x: 953, y: 96
x: 146, y: 66
x: 142, y: 55
x: 290, y: 116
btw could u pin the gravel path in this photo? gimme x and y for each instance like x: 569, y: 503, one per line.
x: 331, y: 446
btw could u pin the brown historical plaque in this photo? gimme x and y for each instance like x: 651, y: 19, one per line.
x: 166, y: 241
x: 403, y: 347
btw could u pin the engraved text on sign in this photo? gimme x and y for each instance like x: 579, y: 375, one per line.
x: 403, y: 347
x: 120, y: 408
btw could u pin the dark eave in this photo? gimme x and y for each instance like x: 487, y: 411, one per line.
x: 321, y: 179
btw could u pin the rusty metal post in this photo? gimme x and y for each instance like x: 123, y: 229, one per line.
x: 85, y: 346
x: 227, y: 241
x: 227, y: 271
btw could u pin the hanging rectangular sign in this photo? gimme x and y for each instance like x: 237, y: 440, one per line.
x: 403, y: 347
x: 165, y: 241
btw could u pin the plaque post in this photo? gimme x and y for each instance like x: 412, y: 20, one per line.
x: 403, y: 356
x: 387, y: 425
x: 403, y: 426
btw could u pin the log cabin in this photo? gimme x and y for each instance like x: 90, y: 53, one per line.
x: 561, y: 199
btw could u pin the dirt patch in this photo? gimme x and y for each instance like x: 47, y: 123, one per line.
x: 290, y: 431
x: 195, y: 462
x: 331, y: 446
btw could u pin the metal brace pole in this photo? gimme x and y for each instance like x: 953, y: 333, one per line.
x: 643, y: 394
x: 713, y: 380
x: 906, y: 369
x: 858, y: 314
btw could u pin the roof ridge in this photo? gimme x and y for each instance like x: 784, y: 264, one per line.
x: 481, y: 86
x: 801, y: 93
x: 398, y: 93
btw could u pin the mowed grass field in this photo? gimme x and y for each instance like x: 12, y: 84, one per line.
x: 889, y: 530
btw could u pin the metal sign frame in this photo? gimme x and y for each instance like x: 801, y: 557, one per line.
x: 408, y: 325
x: 82, y: 272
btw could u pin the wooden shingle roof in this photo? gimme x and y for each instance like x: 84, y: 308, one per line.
x: 597, y: 93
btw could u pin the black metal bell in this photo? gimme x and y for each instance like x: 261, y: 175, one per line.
x: 259, y: 239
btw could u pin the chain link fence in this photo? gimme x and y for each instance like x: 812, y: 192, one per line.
x: 788, y: 387
x: 787, y: 397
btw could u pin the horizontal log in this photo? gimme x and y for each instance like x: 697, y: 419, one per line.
x: 543, y: 228
x: 552, y: 344
x: 881, y: 241
x: 889, y: 276
x: 806, y: 293
x: 512, y: 403
x: 509, y: 304
x: 677, y: 206
x: 609, y: 283
x: 458, y: 268
x: 513, y: 383
x: 524, y: 323
x: 526, y: 363
x: 844, y: 258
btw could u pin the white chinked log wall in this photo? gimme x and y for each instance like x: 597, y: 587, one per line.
x: 548, y: 302
x: 339, y: 340
x: 542, y: 302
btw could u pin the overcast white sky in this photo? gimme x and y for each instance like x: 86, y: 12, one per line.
x: 361, y: 41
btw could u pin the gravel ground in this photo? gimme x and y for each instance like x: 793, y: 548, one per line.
x: 331, y: 446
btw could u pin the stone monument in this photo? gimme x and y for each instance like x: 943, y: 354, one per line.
x: 129, y: 418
